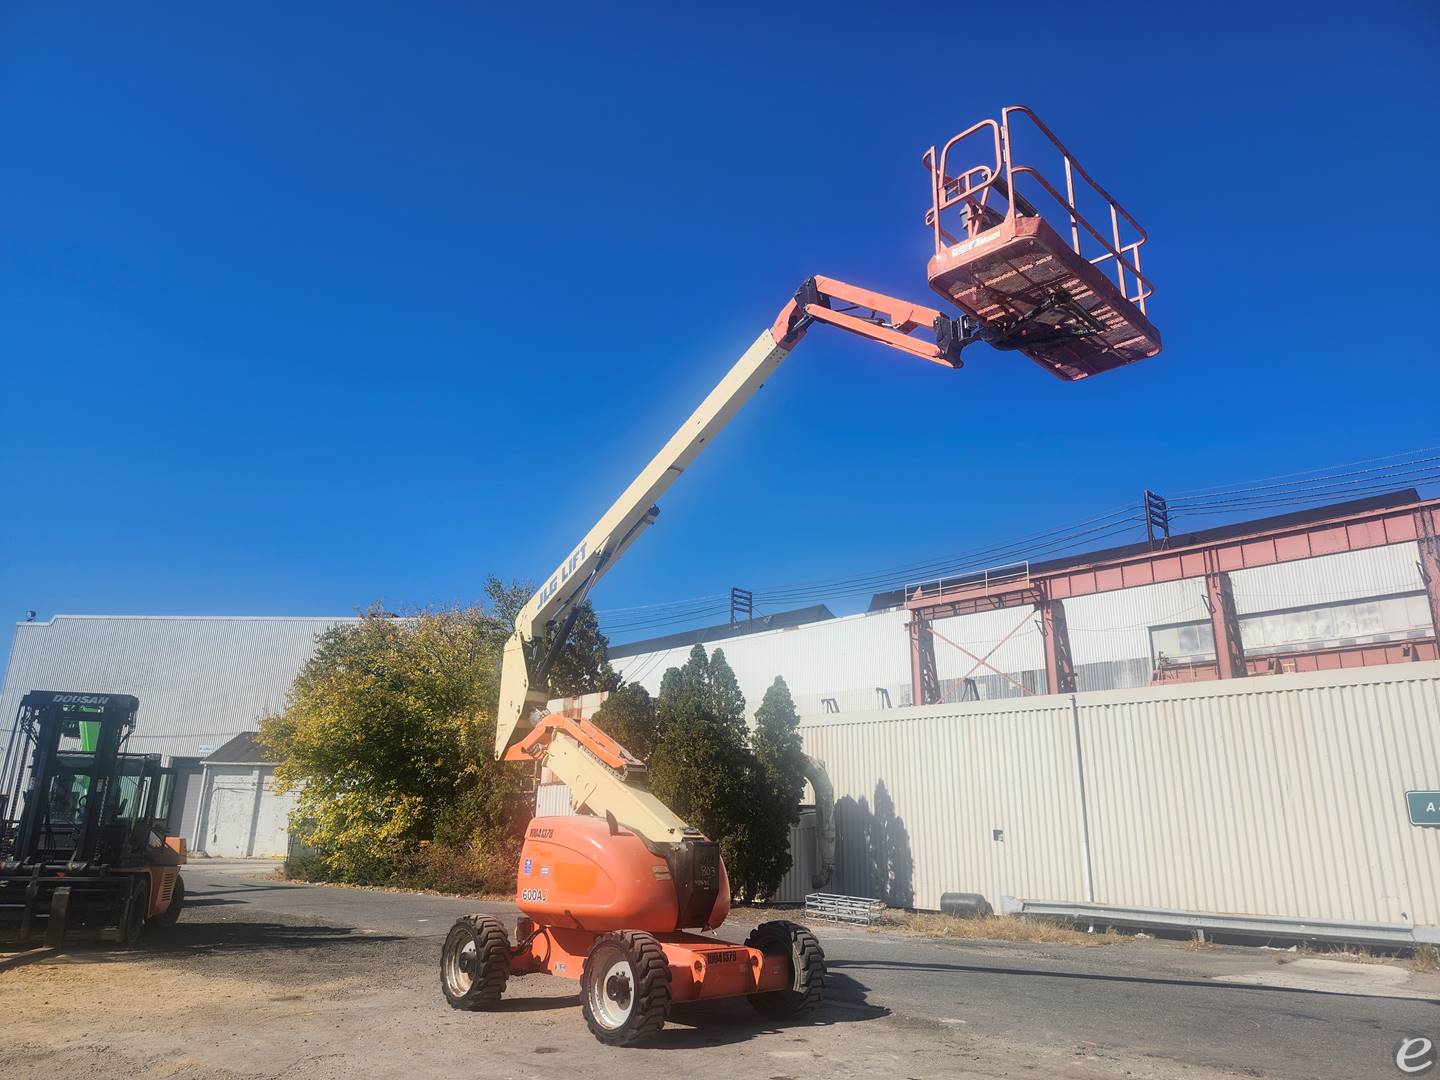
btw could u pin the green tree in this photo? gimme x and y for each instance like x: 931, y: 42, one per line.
x: 777, y: 744
x: 628, y: 717
x: 699, y: 767
x: 385, y: 728
x: 388, y: 733
x: 703, y: 766
x: 583, y: 665
x: 685, y: 691
x: 780, y: 782
x: 725, y: 694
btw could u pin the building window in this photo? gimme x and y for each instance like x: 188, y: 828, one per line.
x: 1318, y: 626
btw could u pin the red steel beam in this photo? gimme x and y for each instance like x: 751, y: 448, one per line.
x: 1224, y: 622
x: 1211, y: 561
x: 924, y: 679
x: 1059, y: 661
x: 1428, y: 541
x: 981, y: 661
x: 1332, y: 659
x: 1352, y: 532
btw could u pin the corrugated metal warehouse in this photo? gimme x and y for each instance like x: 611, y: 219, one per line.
x: 1281, y: 796
x: 202, y: 683
x: 863, y: 661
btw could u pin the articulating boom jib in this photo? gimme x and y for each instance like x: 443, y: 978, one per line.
x: 611, y: 897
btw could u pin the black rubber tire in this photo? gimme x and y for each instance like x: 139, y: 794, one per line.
x: 807, y: 965
x: 487, y: 972
x: 649, y: 979
x: 166, y: 918
x: 132, y: 914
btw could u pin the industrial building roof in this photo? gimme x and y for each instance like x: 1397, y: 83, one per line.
x: 896, y: 597
x: 243, y: 749
x: 200, y: 680
x: 779, y: 621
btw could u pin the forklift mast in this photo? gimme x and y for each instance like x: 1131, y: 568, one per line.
x: 68, y: 791
x: 83, y: 823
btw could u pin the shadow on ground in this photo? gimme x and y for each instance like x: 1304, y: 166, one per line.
x: 1088, y: 976
x: 193, y: 936
x: 196, y: 938
x: 695, y: 1025
x: 734, y: 1020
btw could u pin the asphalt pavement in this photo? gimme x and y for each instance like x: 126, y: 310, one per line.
x: 1240, y: 1011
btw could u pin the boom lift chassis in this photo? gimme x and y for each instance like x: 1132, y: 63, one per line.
x: 611, y: 897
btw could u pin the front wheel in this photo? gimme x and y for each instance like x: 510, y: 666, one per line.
x: 807, y: 968
x: 475, y: 963
x: 133, y: 911
x: 625, y: 988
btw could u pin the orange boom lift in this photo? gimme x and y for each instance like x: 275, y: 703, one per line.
x: 613, y: 895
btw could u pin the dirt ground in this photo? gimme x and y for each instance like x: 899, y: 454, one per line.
x: 283, y: 998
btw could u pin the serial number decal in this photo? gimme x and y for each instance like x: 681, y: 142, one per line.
x: 542, y: 834
x: 723, y: 957
x: 537, y: 895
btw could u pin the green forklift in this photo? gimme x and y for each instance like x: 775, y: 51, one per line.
x: 84, y: 848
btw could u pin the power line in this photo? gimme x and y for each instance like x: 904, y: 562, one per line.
x: 1415, y: 468
x: 1409, y: 454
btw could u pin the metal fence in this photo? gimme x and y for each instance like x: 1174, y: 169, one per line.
x: 1279, y: 796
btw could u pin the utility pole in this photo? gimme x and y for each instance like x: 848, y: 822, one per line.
x: 742, y: 602
x: 1157, y: 519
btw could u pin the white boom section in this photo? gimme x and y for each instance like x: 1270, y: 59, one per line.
x: 617, y: 530
x: 595, y: 786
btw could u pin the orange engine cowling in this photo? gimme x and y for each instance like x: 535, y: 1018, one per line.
x: 576, y: 872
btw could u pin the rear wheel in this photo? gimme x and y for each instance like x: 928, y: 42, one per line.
x: 625, y: 989
x: 132, y: 913
x: 166, y: 918
x: 475, y: 963
x: 807, y: 968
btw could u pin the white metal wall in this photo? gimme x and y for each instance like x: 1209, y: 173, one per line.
x: 552, y: 800
x: 804, y: 859
x: 200, y: 681
x: 1274, y: 796
x: 845, y: 659
x: 1348, y: 575
x: 919, y: 794
x: 1278, y: 795
x: 242, y: 815
x: 848, y: 659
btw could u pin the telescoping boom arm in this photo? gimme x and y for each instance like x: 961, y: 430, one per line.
x: 544, y: 622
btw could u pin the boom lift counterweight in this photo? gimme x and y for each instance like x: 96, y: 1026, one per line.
x: 611, y: 897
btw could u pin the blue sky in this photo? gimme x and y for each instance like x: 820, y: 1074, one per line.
x: 309, y: 305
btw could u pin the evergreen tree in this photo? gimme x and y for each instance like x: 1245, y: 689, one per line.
x: 628, y: 717
x: 779, y: 784
x: 704, y: 767
x: 777, y: 743
x: 725, y: 694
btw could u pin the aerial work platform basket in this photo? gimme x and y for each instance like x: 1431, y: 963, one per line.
x: 1075, y: 304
